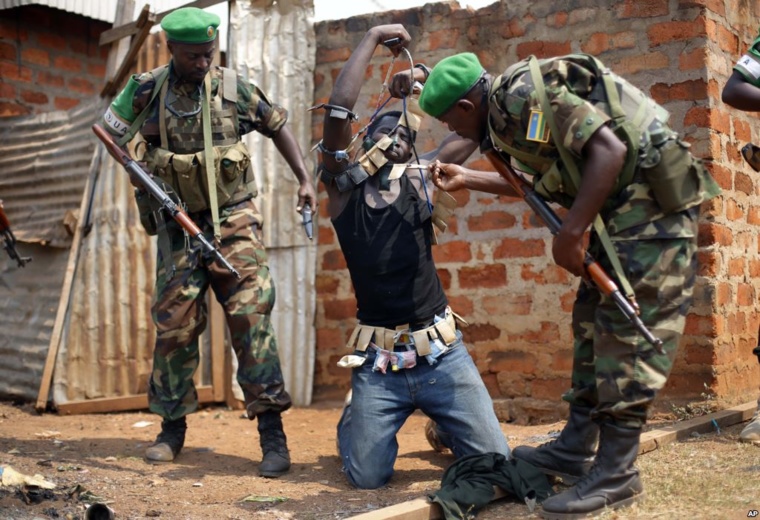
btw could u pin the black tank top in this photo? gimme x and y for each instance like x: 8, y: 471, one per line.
x: 389, y: 257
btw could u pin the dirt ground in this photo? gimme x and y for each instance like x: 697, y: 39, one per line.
x: 98, y: 458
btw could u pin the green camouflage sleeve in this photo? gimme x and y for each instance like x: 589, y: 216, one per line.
x: 577, y: 119
x: 257, y: 112
x: 749, y: 64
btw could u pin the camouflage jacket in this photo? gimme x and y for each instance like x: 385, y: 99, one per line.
x: 254, y: 109
x: 577, y: 96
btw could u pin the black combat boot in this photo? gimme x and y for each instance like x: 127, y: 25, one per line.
x: 570, y: 455
x: 276, y: 459
x: 612, y: 482
x: 168, y: 443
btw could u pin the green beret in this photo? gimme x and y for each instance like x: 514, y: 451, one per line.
x: 190, y: 25
x: 450, y: 80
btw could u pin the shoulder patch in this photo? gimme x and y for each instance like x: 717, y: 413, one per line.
x: 538, y: 130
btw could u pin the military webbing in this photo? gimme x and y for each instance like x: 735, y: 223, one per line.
x: 208, y: 156
x: 569, y: 162
x: 160, y: 79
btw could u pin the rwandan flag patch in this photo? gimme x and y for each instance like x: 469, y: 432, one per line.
x: 537, y: 129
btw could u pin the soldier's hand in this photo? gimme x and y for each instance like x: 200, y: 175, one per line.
x: 569, y: 252
x: 307, y: 193
x: 402, y: 83
x: 447, y: 177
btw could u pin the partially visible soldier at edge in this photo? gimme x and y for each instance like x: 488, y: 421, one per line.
x: 742, y: 91
x: 166, y: 106
x: 618, y: 149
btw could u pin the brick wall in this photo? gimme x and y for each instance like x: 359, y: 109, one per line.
x: 49, y: 60
x: 495, y: 259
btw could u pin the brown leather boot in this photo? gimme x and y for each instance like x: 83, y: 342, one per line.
x: 276, y: 459
x: 169, y: 442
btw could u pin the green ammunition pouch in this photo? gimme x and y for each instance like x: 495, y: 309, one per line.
x: 675, y: 176
x: 186, y: 173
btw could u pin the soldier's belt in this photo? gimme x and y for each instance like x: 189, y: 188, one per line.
x: 445, y: 330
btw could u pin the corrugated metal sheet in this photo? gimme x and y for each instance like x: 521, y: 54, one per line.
x: 44, y: 164
x: 107, y: 347
x: 97, y: 9
x: 275, y: 48
x: 43, y: 169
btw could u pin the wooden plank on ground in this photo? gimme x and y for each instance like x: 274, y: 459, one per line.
x: 122, y: 31
x: 122, y: 404
x: 216, y: 327
x: 422, y: 509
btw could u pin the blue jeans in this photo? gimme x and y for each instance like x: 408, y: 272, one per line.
x: 451, y: 393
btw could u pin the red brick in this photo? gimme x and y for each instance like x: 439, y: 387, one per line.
x: 35, y: 98
x: 45, y: 77
x: 690, y: 90
x: 441, y: 39
x: 721, y: 175
x: 97, y: 70
x: 642, y: 9
x: 512, y: 29
x: 557, y: 20
x: 12, y: 109
x: 82, y: 86
x: 491, y: 220
x: 550, y: 274
x: 51, y: 40
x: 711, y: 233
x: 7, y: 91
x: 600, y: 42
x: 508, y: 304
x: 36, y: 57
x: 550, y: 389
x: 476, y: 332
x: 548, y: 333
x: 325, y: 235
x: 68, y: 64
x: 736, y: 266
x: 567, y: 300
x: 14, y: 72
x: 641, y: 62
x: 716, y: 6
x: 333, y: 260
x: 542, y: 49
x: 462, y: 305
x: 744, y: 183
x: 456, y: 251
x: 7, y: 51
x: 10, y: 30
x: 64, y: 103
x: 708, y: 326
x: 708, y: 263
x: 329, y: 339
x: 742, y: 130
x: 516, y: 248
x: 699, y: 354
x: 745, y: 295
x: 667, y: 32
x: 754, y: 268
x: 512, y: 361
x: 693, y: 60
x: 494, y: 275
x: 562, y: 361
x: 326, y: 284
x: 733, y: 211
x: 341, y: 309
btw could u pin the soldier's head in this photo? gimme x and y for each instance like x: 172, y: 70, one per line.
x: 387, y: 123
x: 191, y: 39
x: 456, y: 93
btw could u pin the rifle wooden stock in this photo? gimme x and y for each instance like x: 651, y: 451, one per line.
x: 176, y: 212
x: 595, y: 271
x: 9, y: 241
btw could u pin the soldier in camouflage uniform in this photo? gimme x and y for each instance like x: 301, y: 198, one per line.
x: 617, y: 159
x: 167, y: 106
x: 742, y: 91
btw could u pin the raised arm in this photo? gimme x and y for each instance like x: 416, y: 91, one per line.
x: 337, y: 127
x: 741, y: 94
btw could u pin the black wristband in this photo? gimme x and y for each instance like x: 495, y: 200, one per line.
x: 424, y: 68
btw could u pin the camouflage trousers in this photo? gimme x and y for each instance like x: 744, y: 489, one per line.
x: 180, y: 313
x: 616, y: 372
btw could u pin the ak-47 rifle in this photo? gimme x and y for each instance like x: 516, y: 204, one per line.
x: 9, y: 240
x: 167, y: 204
x: 595, y: 271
